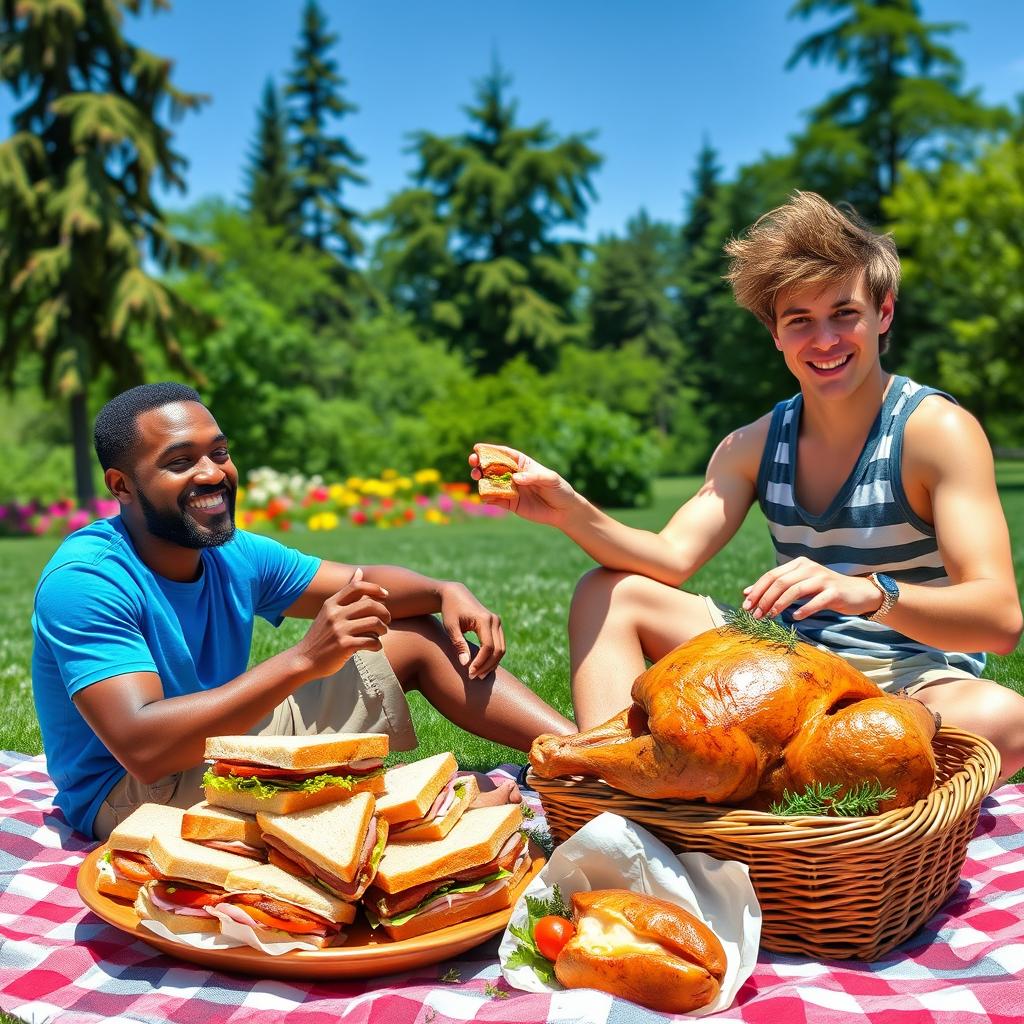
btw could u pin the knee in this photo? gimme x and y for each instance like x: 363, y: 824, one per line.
x: 599, y: 588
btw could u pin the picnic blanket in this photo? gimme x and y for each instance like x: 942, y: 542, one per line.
x: 61, y: 964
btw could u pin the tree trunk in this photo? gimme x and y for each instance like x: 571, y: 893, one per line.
x: 83, y: 454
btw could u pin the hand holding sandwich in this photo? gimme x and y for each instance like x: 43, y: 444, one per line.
x: 354, y: 619
x: 539, y: 494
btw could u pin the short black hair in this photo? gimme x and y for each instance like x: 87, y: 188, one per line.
x: 115, y: 434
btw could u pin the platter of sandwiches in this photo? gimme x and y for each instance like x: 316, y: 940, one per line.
x: 389, y: 871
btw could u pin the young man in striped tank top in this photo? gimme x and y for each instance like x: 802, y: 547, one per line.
x: 891, y: 546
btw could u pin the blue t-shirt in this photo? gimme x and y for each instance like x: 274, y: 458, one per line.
x: 100, y: 612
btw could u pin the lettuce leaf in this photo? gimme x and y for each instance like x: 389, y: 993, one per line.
x: 263, y: 789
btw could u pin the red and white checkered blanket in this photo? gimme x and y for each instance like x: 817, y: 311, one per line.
x: 60, y: 963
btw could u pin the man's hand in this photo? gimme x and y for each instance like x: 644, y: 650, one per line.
x: 353, y: 619
x: 462, y: 613
x: 544, y: 497
x: 823, y: 588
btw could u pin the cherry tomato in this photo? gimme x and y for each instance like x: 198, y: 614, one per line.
x: 551, y: 934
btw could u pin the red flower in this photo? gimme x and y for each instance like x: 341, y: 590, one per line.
x: 359, y: 518
x: 409, y: 515
x: 388, y: 502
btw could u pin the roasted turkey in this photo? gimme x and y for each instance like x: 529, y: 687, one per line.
x: 732, y: 718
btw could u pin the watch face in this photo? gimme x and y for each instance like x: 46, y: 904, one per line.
x: 888, y: 584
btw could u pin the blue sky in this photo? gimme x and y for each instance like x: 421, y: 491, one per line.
x: 650, y: 78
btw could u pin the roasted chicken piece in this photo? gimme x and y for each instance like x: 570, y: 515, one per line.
x: 733, y: 718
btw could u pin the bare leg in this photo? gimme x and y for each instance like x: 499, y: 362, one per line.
x: 497, y: 707
x: 615, y: 622
x: 985, y: 708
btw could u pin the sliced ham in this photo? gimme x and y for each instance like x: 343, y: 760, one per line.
x: 235, y: 846
x: 239, y: 915
x: 175, y: 908
x: 442, y: 804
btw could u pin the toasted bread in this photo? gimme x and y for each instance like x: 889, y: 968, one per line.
x: 299, y: 753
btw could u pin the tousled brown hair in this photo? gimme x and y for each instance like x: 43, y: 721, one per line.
x: 808, y: 241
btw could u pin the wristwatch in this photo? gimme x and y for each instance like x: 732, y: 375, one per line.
x: 890, y: 595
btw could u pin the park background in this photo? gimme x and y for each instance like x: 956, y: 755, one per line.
x: 374, y: 234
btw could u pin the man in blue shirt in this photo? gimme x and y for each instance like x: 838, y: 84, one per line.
x: 143, y: 625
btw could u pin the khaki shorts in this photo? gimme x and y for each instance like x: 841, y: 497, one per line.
x: 363, y: 696
x: 891, y: 674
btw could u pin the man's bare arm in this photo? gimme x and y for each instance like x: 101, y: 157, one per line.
x: 697, y: 531
x: 948, y: 458
x: 153, y: 735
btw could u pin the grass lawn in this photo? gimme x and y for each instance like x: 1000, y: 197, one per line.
x: 524, y: 572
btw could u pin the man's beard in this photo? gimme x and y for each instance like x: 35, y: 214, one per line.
x: 182, y: 529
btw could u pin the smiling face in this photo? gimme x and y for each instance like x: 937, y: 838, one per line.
x: 829, y: 335
x: 183, y: 477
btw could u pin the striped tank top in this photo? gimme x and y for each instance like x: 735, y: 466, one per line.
x: 869, y: 527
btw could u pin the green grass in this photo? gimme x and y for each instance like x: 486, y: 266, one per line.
x: 526, y: 573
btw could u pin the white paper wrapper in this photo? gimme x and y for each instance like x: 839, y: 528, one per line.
x: 232, y: 934
x: 612, y: 852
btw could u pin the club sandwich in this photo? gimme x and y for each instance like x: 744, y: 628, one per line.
x: 278, y: 906
x: 496, y: 469
x: 424, y: 799
x: 126, y: 866
x: 336, y: 846
x: 282, y: 774
x: 191, y: 880
x: 474, y: 870
x: 220, y: 828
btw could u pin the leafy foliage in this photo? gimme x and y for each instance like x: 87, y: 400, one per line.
x: 80, y: 224
x: 526, y: 953
x: 469, y: 250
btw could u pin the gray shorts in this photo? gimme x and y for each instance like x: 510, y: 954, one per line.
x: 363, y: 696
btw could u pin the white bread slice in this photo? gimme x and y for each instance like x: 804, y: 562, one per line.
x: 410, y: 789
x: 477, y: 838
x: 272, y: 881
x: 331, y: 836
x: 440, y: 828
x: 148, y: 820
x: 178, y: 858
x: 205, y: 821
x: 299, y: 753
x: 431, y: 922
x: 287, y: 801
x: 177, y: 923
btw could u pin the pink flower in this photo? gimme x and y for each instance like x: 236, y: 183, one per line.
x: 444, y: 503
x: 77, y: 520
x: 319, y: 494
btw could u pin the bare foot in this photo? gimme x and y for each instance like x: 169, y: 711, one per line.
x: 493, y: 793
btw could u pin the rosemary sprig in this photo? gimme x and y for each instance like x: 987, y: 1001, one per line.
x: 825, y: 798
x: 769, y: 630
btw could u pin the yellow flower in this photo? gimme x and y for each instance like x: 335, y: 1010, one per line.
x: 389, y: 474
x: 348, y: 498
x: 426, y: 476
x: 403, y: 483
x: 323, y: 521
x: 337, y: 492
x: 354, y: 483
x: 435, y: 515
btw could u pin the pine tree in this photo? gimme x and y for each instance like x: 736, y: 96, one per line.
x: 906, y: 100
x: 323, y: 163
x: 79, y: 224
x: 469, y: 249
x: 701, y: 266
x: 269, y: 193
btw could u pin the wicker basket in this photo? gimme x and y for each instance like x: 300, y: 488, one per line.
x: 829, y: 888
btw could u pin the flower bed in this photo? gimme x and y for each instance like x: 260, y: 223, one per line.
x: 283, y: 501
x: 51, y: 519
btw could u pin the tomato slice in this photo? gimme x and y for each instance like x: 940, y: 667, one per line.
x: 136, y: 867
x: 277, y: 914
x: 185, y: 896
x: 249, y: 771
x: 551, y: 934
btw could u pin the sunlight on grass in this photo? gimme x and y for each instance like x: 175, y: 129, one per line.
x: 525, y: 573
